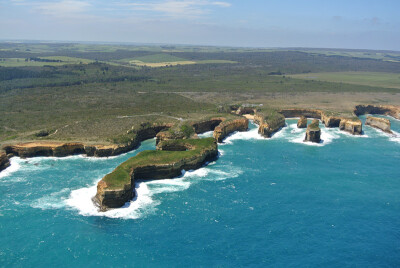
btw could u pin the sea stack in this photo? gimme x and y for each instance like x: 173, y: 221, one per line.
x: 379, y: 123
x: 313, y: 132
x: 302, y: 123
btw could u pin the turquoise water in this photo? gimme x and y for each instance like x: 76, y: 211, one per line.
x: 277, y: 202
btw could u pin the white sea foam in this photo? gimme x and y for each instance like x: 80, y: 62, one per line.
x: 395, y: 137
x: 51, y: 201
x: 146, y: 200
x: 246, y: 135
x: 15, y: 166
x: 206, y: 134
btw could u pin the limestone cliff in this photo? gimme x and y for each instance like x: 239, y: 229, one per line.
x: 302, y: 123
x: 59, y: 149
x: 379, y: 123
x: 229, y: 126
x: 269, y: 122
x: 391, y: 110
x: 313, y: 132
x: 352, y: 126
x: 32, y: 149
x: 207, y: 125
x: 4, y: 161
x: 116, y: 188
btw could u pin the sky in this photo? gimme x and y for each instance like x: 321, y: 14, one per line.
x: 353, y: 24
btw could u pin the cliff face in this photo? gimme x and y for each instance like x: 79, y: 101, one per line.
x: 379, y: 123
x: 32, y: 149
x: 116, y: 188
x: 269, y: 123
x: 351, y: 126
x: 207, y: 125
x: 313, y: 132
x: 302, y: 123
x: 230, y: 126
x: 4, y: 161
x: 60, y: 149
x: 391, y: 110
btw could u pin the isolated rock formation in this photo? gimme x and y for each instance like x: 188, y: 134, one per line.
x: 269, y: 122
x: 352, y: 126
x: 302, y: 123
x: 313, y: 132
x: 379, y: 123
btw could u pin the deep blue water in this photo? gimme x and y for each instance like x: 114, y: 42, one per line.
x: 276, y: 202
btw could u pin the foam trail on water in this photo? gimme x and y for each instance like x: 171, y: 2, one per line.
x: 146, y: 200
x: 252, y: 134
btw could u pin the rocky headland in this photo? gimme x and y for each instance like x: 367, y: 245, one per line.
x: 313, y: 132
x: 4, y: 161
x: 269, y: 122
x: 229, y: 126
x: 379, y: 123
x: 171, y: 157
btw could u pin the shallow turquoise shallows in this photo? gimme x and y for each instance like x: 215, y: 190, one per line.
x: 265, y: 202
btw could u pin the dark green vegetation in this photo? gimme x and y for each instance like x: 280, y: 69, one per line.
x: 92, y: 93
x: 121, y: 175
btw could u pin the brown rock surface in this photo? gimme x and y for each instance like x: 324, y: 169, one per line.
x: 229, y: 126
x: 4, y: 161
x: 302, y: 123
x: 313, y: 132
x: 379, y: 123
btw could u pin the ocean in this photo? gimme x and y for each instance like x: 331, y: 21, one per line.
x: 265, y: 202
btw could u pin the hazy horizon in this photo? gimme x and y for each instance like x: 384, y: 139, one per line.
x: 231, y: 23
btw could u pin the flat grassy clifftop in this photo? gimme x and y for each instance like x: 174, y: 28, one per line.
x: 121, y: 175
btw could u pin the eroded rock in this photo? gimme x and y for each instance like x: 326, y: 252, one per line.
x: 379, y: 123
x: 313, y: 132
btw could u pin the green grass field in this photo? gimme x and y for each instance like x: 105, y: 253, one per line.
x: 387, y: 80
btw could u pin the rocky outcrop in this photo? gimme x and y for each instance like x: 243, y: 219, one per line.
x: 269, y: 122
x: 313, y: 132
x: 379, y: 123
x: 302, y: 123
x: 207, y: 125
x: 245, y: 110
x: 4, y: 161
x: 391, y: 110
x: 229, y: 126
x: 181, y: 131
x: 352, y: 126
x: 117, y: 188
